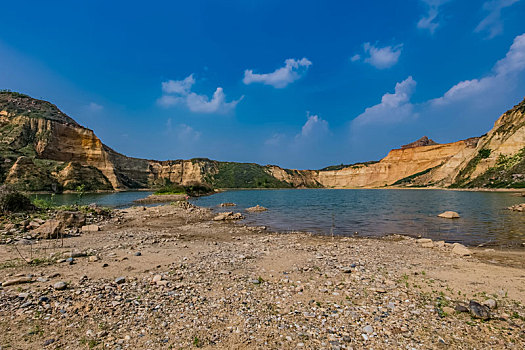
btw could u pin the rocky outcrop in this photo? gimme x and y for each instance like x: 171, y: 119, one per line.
x: 424, y: 141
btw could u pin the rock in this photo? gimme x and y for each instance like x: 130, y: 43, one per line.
x: 229, y: 215
x: 222, y: 205
x: 491, y: 304
x: 368, y: 329
x: 93, y: 258
x: 423, y: 240
x: 256, y: 209
x: 23, y: 295
x: 517, y: 207
x: 71, y: 218
x: 479, y: 311
x: 50, y: 229
x: 461, y: 308
x: 346, y: 269
x: 460, y: 249
x: 60, y: 285
x: 449, y: 215
x: 428, y: 245
x: 138, y: 254
x: 90, y: 228
x: 120, y: 280
x: 16, y: 281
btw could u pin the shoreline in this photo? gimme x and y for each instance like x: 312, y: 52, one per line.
x: 245, y: 287
x: 170, y: 276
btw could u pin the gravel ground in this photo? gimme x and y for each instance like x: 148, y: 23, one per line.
x: 172, y: 278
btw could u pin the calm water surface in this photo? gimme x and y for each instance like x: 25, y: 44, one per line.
x: 373, y: 212
x: 368, y: 212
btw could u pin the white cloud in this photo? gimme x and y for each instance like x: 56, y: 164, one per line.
x: 93, y: 107
x: 179, y: 92
x: 393, y: 108
x: 181, y: 87
x: 313, y: 127
x: 281, y: 77
x: 380, y: 57
x: 430, y: 21
x: 502, y: 73
x: 355, y: 57
x: 182, y: 132
x: 492, y: 23
x: 275, y: 140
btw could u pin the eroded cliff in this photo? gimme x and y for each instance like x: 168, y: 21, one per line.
x: 44, y: 149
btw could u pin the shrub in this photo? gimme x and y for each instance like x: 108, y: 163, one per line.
x: 12, y: 201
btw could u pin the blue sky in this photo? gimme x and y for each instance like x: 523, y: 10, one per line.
x: 301, y: 84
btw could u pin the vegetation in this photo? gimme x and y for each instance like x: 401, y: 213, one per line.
x: 408, y: 180
x: 12, y: 201
x: 244, y: 175
x: 354, y: 165
x: 464, y: 174
x: 509, y: 172
x: 194, y: 189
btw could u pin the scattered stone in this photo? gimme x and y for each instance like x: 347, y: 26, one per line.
x: 49, y: 230
x: 90, y: 228
x: 491, y: 304
x: 71, y: 218
x: 517, y: 207
x: 120, y: 280
x: 60, y: 285
x: 461, y: 308
x: 222, y: 205
x: 138, y: 254
x: 460, y: 249
x: 229, y: 215
x: 368, y: 329
x: 449, y: 215
x: 16, y: 281
x: 256, y: 209
x: 479, y: 311
x: 428, y: 245
x: 423, y: 240
x: 93, y: 258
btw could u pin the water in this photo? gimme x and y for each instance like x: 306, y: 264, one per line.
x: 376, y: 212
x: 114, y: 199
x: 369, y: 212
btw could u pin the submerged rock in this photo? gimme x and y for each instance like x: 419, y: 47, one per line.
x: 256, y: 209
x: 229, y: 215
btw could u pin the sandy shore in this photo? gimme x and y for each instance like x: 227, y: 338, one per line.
x: 170, y: 277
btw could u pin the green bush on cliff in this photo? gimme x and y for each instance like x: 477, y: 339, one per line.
x: 170, y: 189
x: 244, y: 175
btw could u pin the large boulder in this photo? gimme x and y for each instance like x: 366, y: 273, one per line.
x: 73, y: 219
x: 460, y: 249
x: 50, y: 229
x: 449, y: 215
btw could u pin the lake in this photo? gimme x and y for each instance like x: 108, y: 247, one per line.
x: 363, y: 212
x: 376, y: 212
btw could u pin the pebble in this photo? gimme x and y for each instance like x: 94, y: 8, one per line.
x: 120, y: 280
x: 368, y: 329
x: 60, y: 285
